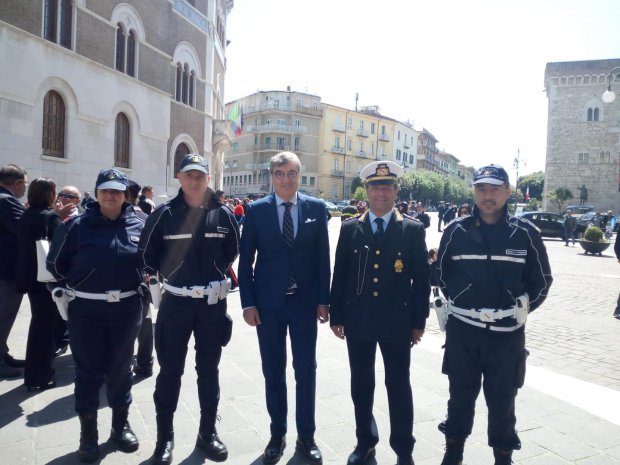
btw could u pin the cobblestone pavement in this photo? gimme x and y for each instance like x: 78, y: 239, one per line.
x: 568, y: 412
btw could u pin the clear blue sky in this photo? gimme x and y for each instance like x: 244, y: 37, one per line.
x: 471, y: 72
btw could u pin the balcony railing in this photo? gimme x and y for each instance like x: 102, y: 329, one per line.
x: 339, y: 128
x: 277, y: 127
x: 337, y: 173
x: 384, y: 137
x: 361, y: 153
x: 257, y: 166
x: 277, y: 106
x: 362, y: 133
x: 339, y: 150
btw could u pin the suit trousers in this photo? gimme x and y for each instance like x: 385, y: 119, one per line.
x: 10, y: 300
x: 474, y: 354
x: 300, y: 320
x: 177, y: 319
x: 102, y: 336
x: 396, y: 359
x: 41, y: 336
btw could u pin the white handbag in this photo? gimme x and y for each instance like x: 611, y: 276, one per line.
x: 43, y: 276
x: 43, y: 247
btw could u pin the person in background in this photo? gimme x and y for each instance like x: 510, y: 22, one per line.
x: 617, y: 251
x: 464, y: 210
x: 86, y: 199
x: 95, y: 256
x: 450, y: 214
x: 570, y: 225
x: 38, y: 222
x: 349, y: 211
x: 441, y: 209
x: 68, y: 203
x: 361, y: 207
x: 422, y: 216
x: 13, y: 183
x: 145, y: 201
x: 239, y: 213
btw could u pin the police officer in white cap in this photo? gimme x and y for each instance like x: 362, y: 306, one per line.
x: 379, y: 296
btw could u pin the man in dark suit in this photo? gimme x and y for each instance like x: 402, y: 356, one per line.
x: 287, y: 288
x: 13, y: 183
x: 380, y: 295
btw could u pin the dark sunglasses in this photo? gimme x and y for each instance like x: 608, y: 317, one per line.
x: 64, y: 195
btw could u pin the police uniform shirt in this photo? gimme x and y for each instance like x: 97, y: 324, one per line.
x: 373, y: 224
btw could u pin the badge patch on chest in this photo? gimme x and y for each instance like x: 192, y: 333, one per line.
x: 398, y: 266
x: 516, y: 253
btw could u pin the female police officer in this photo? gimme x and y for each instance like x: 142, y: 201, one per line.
x: 95, y: 256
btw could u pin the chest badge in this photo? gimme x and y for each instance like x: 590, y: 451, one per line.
x: 398, y: 266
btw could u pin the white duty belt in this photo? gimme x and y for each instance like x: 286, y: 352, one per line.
x: 214, y: 291
x: 108, y: 296
x: 486, y: 316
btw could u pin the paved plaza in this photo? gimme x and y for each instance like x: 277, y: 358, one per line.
x: 568, y: 412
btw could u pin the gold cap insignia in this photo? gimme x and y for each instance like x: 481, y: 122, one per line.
x: 398, y: 266
x: 382, y: 170
x: 111, y: 175
x: 196, y: 159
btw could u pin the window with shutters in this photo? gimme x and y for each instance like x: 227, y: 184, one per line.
x: 121, y: 141
x: 179, y: 153
x: 53, y: 143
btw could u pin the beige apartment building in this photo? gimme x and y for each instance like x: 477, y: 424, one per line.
x: 272, y: 122
x: 91, y: 84
x: 349, y: 140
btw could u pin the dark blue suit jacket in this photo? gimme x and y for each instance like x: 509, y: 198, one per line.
x: 263, y: 282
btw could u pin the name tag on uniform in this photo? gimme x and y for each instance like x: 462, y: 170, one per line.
x: 222, y: 230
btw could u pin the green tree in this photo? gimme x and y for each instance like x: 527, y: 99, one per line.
x: 536, y: 183
x: 559, y: 196
x: 357, y: 182
x: 360, y: 194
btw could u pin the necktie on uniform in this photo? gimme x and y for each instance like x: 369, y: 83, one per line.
x: 288, y: 233
x: 379, y: 231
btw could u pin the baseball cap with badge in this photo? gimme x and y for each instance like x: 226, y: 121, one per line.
x: 193, y: 161
x: 111, y: 179
x: 381, y: 172
x: 491, y: 174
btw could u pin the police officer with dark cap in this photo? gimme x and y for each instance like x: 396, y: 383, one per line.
x: 493, y: 270
x: 95, y: 256
x: 190, y: 241
x: 422, y: 216
x: 379, y: 296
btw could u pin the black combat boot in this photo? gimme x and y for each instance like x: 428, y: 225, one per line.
x: 121, y: 432
x: 502, y: 457
x: 162, y: 455
x: 89, y: 449
x: 213, y: 446
x: 454, y: 451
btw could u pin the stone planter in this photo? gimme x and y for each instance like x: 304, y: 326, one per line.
x: 594, y: 247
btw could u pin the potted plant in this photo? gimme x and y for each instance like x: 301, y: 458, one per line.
x: 593, y: 241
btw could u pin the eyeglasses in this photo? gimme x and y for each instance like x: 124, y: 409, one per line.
x: 281, y: 174
x: 65, y: 195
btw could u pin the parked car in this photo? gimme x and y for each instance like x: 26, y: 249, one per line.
x: 579, y: 210
x: 550, y: 224
x: 330, y: 206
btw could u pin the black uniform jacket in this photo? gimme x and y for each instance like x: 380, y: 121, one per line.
x: 490, y: 266
x: 190, y: 246
x: 381, y: 292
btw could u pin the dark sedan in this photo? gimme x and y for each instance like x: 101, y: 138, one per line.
x: 550, y: 224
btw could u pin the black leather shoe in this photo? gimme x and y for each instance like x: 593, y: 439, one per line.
x: 405, y: 460
x: 125, y: 439
x: 62, y: 350
x: 212, y: 445
x: 361, y: 455
x: 274, y: 450
x: 143, y: 371
x: 162, y: 455
x: 42, y: 387
x: 310, y: 450
x: 14, y: 362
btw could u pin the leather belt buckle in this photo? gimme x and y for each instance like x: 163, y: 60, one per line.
x: 486, y: 315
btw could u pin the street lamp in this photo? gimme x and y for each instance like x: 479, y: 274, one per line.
x: 609, y: 95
